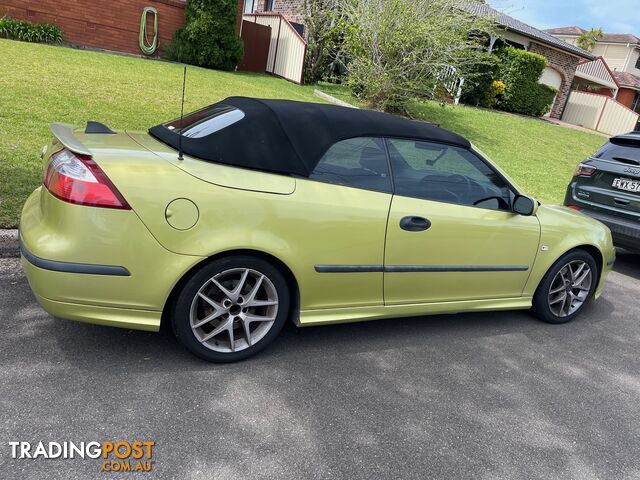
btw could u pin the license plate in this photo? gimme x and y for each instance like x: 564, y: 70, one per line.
x: 626, y: 184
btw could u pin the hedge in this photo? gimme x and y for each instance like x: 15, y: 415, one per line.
x: 520, y: 72
x: 209, y: 37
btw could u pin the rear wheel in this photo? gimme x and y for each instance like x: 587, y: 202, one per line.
x: 566, y: 288
x: 231, y: 309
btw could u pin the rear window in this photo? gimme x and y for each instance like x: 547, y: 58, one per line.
x: 205, y: 121
x: 621, y: 150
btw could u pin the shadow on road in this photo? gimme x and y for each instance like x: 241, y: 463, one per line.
x: 94, y: 347
x: 628, y: 263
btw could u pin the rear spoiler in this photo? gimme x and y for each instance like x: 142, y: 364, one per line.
x: 631, y: 139
x: 64, y: 133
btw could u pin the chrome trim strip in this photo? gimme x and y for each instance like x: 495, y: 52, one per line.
x: 455, y: 268
x: 418, y: 268
x: 348, y: 268
x: 68, y: 267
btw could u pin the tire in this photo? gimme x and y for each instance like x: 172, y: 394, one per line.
x: 548, y: 300
x: 211, y: 315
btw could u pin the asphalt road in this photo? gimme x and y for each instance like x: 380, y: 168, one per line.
x: 483, y: 396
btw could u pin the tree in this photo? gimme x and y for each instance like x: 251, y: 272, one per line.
x: 209, y: 37
x: 398, y: 49
x: 322, y: 23
x: 587, y: 41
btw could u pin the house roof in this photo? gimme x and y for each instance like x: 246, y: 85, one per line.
x: 626, y: 79
x: 607, y: 37
x: 566, y: 31
x: 522, y: 28
x: 287, y: 137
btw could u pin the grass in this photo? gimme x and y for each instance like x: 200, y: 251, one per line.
x: 41, y: 84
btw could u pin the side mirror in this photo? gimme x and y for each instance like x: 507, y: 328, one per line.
x: 524, y: 205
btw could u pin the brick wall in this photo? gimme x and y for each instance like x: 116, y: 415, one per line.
x: 565, y: 64
x: 292, y: 10
x: 110, y: 25
x: 626, y: 96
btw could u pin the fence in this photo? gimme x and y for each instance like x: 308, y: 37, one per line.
x: 452, y: 82
x: 599, y: 112
x: 287, y: 48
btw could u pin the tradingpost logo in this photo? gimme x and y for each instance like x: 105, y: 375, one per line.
x: 120, y: 456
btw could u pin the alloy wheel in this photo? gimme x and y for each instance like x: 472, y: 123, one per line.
x: 570, y: 288
x: 234, y: 310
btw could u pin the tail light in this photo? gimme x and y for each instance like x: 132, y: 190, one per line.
x: 583, y: 170
x: 574, y: 207
x: 77, y: 179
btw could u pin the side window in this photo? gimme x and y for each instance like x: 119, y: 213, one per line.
x: 356, y: 162
x: 446, y: 174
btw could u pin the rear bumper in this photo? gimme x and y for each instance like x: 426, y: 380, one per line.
x: 96, y: 265
x: 625, y: 233
x: 107, y: 316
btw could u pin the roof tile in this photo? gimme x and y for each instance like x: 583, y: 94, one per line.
x: 515, y: 25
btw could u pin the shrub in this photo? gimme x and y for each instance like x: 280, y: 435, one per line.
x: 323, y: 27
x: 29, y: 32
x: 493, y: 94
x: 546, y: 96
x: 478, y: 80
x: 209, y: 37
x: 520, y: 72
x: 397, y: 50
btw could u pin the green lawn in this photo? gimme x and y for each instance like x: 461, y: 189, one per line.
x: 41, y: 84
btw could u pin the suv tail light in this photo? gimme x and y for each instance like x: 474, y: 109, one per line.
x: 76, y: 178
x: 583, y: 170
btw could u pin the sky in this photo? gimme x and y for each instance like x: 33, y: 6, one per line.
x: 613, y: 16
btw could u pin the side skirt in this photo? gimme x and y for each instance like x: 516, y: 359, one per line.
x: 358, y: 314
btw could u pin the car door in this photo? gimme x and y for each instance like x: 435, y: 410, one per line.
x: 451, y: 235
x: 341, y: 223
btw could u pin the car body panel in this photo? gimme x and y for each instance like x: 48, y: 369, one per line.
x: 49, y: 230
x: 555, y: 222
x: 459, y: 236
x: 378, y: 312
x: 318, y: 223
x: 304, y: 224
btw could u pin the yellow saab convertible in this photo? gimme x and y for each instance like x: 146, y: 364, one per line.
x: 249, y: 212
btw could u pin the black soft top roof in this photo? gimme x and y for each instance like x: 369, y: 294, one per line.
x: 290, y: 137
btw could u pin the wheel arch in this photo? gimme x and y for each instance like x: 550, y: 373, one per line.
x: 282, y: 267
x: 595, y: 252
x: 540, y: 269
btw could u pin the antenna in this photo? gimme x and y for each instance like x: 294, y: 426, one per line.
x: 184, y: 83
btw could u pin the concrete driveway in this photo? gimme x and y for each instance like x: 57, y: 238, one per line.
x: 483, y: 396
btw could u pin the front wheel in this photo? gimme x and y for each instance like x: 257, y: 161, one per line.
x: 231, y: 308
x: 566, y: 288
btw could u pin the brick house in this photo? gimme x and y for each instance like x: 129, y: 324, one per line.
x: 292, y: 10
x: 621, y: 54
x: 562, y: 57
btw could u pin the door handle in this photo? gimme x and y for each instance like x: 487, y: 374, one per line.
x: 414, y: 224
